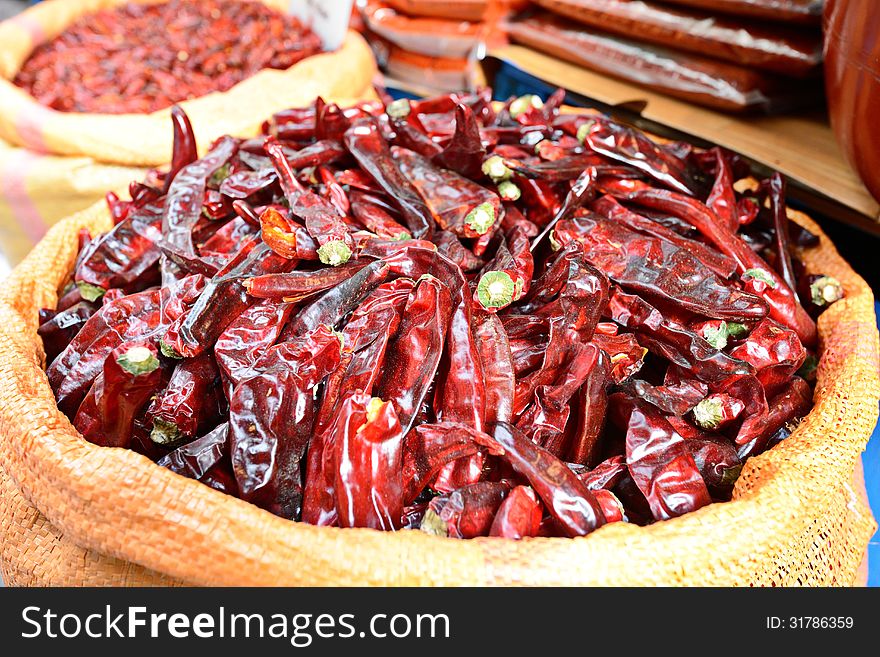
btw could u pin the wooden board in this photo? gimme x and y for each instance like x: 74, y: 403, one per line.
x: 800, y: 146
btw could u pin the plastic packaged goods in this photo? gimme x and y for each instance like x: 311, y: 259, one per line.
x: 696, y: 79
x: 439, y: 73
x: 432, y: 37
x: 769, y: 47
x: 465, y: 10
x: 852, y: 81
x: 800, y: 11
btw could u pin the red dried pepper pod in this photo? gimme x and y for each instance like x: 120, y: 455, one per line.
x: 464, y: 152
x: 369, y: 149
x: 496, y: 361
x: 414, y: 355
x: 57, y: 331
x: 717, y: 411
x: 774, y: 351
x: 198, y: 458
x: 130, y: 376
x: 606, y: 475
x: 662, y: 466
x: 457, y: 204
x: 591, y: 405
x: 467, y: 512
x: 519, y: 515
x: 124, y: 254
x: 369, y: 443
x: 321, y: 219
x: 612, y: 508
x: 634, y: 148
x: 190, y: 402
x: 508, y: 277
x: 270, y: 420
x: 571, y: 504
x: 375, y: 218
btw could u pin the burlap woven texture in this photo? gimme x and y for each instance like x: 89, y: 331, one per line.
x: 75, y: 513
x: 144, y: 139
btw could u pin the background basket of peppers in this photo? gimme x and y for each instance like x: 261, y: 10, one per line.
x: 594, y: 354
x: 97, y: 78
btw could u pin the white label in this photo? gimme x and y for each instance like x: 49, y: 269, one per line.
x: 328, y: 18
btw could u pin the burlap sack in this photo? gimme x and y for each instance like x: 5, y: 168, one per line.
x: 144, y: 139
x: 75, y: 513
x: 36, y: 191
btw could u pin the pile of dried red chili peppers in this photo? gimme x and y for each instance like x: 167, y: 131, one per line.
x: 442, y: 315
x: 144, y: 57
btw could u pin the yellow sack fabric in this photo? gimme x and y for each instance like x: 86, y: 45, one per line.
x: 76, y: 513
x: 38, y: 190
x: 145, y: 139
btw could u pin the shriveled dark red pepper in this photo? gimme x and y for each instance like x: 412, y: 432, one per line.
x: 131, y: 375
x: 508, y: 276
x: 367, y: 146
x: 467, y: 512
x: 189, y: 404
x: 571, y: 504
x: 519, y: 515
x: 270, y: 420
x: 662, y: 465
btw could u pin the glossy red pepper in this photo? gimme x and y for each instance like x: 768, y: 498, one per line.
x: 519, y: 515
x: 130, y: 376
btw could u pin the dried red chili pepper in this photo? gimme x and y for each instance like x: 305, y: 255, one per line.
x: 137, y: 316
x: 519, y: 515
x: 368, y: 483
x: 295, y: 285
x: 722, y: 199
x: 722, y: 265
x: 658, y: 269
x: 246, y: 339
x: 375, y: 218
x: 467, y: 512
x: 637, y: 150
x: 774, y: 351
x: 369, y: 149
x: 546, y: 418
x: 223, y: 299
x: 124, y: 254
x: 464, y: 152
x: 570, y: 503
x: 605, y: 475
x: 612, y: 508
x: 190, y: 403
x: 625, y: 354
x: 197, y: 458
x: 451, y: 247
x: 186, y: 196
x: 270, y: 420
x: 508, y: 276
x: 780, y: 231
x: 716, y: 411
x: 130, y: 376
x: 662, y: 466
x: 414, y: 355
x: 784, y: 307
x: 496, y: 362
x: 457, y: 204
x: 791, y: 404
x: 673, y: 341
x: 58, y: 330
x: 321, y: 219
x: 592, y: 402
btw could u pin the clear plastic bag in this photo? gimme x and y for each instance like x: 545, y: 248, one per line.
x: 769, y: 47
x: 696, y: 79
x: 432, y: 37
x: 801, y: 11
